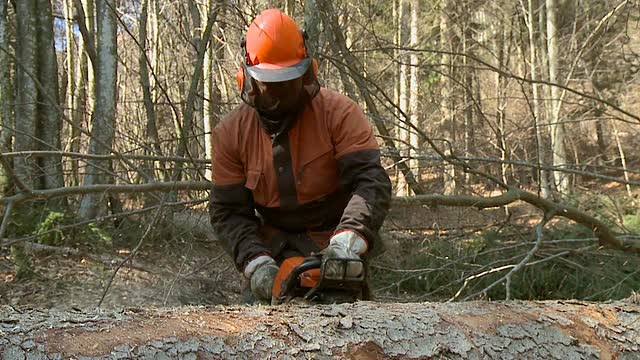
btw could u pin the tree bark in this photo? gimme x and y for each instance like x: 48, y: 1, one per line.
x: 350, y: 63
x: 212, y: 100
x: 49, y: 116
x: 147, y: 96
x: 447, y: 92
x: 5, y: 81
x: 414, y: 88
x: 532, y: 5
x: 364, y: 330
x: 103, y: 119
x: 561, y: 181
x: 403, y: 92
x: 26, y: 91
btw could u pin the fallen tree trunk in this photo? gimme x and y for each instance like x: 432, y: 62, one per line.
x: 365, y: 330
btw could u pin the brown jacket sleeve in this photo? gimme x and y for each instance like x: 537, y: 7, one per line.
x: 360, y: 171
x: 231, y: 207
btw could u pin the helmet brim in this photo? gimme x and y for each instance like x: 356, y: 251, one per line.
x: 277, y: 75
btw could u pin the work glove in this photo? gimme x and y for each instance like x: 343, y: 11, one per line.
x: 348, y: 245
x: 262, y: 272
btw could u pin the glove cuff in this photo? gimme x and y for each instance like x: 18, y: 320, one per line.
x: 255, y: 263
x: 351, y: 240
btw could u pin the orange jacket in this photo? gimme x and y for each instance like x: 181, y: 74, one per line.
x: 323, y: 174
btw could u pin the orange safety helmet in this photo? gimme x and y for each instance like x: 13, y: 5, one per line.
x: 274, y: 49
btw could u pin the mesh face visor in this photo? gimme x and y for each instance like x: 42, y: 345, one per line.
x: 304, y: 68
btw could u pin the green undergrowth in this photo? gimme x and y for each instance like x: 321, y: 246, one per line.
x: 568, y: 265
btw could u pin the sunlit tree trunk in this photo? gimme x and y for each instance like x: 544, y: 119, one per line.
x: 500, y: 83
x: 103, y: 118
x: 532, y: 6
x: 289, y: 7
x: 414, y: 86
x: 561, y: 181
x: 446, y: 93
x: 403, y: 91
x: 194, y: 134
x: 75, y: 83
x: 468, y: 81
x: 211, y: 104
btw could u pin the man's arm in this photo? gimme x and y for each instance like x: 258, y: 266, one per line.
x: 231, y: 208
x: 360, y: 171
x: 371, y: 193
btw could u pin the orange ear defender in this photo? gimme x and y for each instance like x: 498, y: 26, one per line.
x: 240, y: 78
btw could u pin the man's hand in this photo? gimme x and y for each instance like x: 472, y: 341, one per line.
x: 345, y: 245
x: 262, y: 271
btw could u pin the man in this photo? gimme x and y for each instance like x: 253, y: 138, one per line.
x: 296, y: 168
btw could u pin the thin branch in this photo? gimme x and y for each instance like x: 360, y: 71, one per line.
x: 16, y: 180
x: 5, y: 218
x: 517, y: 267
x: 135, y: 250
x: 107, y: 188
x: 75, y: 155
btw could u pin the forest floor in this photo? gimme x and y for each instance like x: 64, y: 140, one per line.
x: 422, y: 243
x: 191, y: 268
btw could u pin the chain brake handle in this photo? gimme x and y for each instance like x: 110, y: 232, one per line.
x: 341, y: 281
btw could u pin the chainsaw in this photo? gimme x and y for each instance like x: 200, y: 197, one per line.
x: 307, y: 280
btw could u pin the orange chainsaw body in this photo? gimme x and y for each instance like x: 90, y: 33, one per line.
x: 308, y: 279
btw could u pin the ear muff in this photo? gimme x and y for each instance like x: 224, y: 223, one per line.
x: 240, y: 78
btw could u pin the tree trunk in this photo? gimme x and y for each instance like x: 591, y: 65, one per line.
x: 532, y: 5
x: 339, y: 48
x: 49, y: 117
x: 153, y: 147
x: 499, y: 47
x: 467, y: 79
x: 103, y: 118
x: 364, y: 330
x: 209, y: 103
x: 446, y: 93
x: 5, y: 82
x: 403, y: 91
x: 414, y: 86
x: 185, y: 128
x: 6, y: 98
x: 561, y: 181
x: 75, y: 83
x: 26, y: 91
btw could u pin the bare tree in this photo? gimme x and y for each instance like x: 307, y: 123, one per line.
x: 561, y: 181
x: 26, y: 91
x: 49, y: 114
x: 103, y: 117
